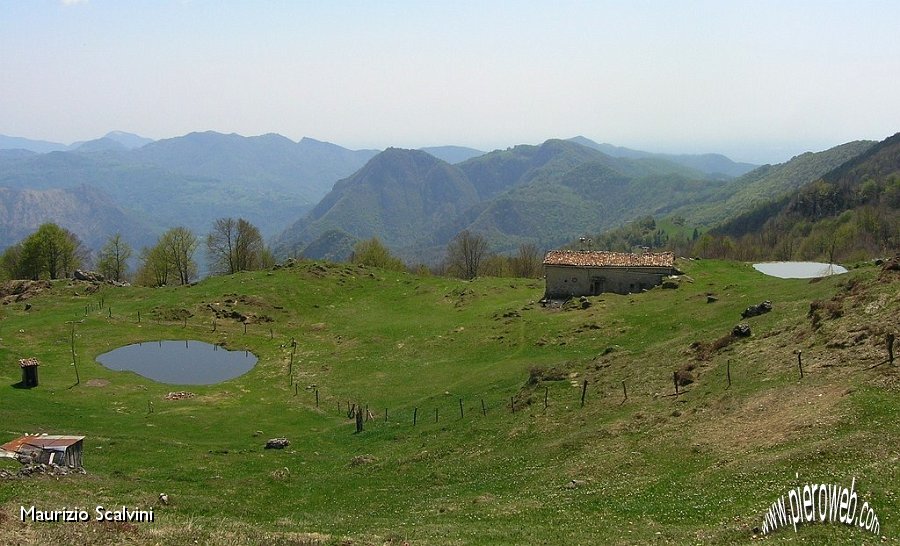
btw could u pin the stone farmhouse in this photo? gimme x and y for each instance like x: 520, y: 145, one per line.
x: 571, y: 273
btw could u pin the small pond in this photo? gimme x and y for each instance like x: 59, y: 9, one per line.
x: 799, y: 270
x: 183, y: 362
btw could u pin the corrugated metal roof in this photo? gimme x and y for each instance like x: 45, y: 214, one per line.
x: 43, y: 441
x: 604, y: 258
x: 26, y: 362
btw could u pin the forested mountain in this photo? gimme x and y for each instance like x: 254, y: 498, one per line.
x: 850, y: 212
x: 527, y: 194
x: 399, y: 195
x: 189, y: 181
x: 768, y: 182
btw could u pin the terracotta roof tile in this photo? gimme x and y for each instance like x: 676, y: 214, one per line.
x: 604, y: 258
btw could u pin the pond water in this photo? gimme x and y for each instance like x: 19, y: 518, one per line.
x: 182, y: 362
x: 799, y: 270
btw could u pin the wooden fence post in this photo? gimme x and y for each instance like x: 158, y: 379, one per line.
x: 675, y: 380
x: 74, y: 360
x: 512, y: 405
x: 583, y: 392
x: 890, y: 347
x: 546, y: 397
x: 435, y: 415
x: 359, y: 420
x: 483, y: 408
x: 460, y: 408
x: 728, y: 373
x: 624, y: 391
x: 800, y: 362
x: 415, y: 414
x: 317, y: 397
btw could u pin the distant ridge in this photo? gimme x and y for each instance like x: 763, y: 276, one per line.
x: 712, y: 164
x: 453, y: 154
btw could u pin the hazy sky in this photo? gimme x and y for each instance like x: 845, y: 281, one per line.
x: 760, y: 81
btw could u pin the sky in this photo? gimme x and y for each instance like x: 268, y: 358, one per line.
x: 759, y: 81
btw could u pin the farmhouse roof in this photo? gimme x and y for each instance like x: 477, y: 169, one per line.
x: 28, y: 362
x: 43, y: 441
x: 604, y: 258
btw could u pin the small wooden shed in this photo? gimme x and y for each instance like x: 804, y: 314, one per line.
x: 49, y: 448
x: 29, y: 372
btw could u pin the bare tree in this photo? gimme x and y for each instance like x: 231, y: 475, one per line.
x: 465, y: 254
x: 527, y: 261
x: 112, y: 260
x: 235, y: 245
x: 179, y: 244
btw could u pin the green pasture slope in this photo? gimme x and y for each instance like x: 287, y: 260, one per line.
x: 655, y: 468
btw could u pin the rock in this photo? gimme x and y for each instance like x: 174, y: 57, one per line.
x: 711, y: 299
x: 90, y: 276
x: 277, y: 443
x: 670, y: 284
x: 741, y: 330
x: 574, y: 484
x: 891, y: 265
x: 28, y: 307
x: 756, y: 310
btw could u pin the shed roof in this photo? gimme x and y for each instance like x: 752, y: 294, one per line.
x: 43, y: 441
x: 605, y: 258
x: 28, y: 362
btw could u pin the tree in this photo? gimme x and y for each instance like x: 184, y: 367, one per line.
x: 179, y: 244
x: 372, y: 252
x: 527, y: 261
x: 112, y: 260
x: 50, y: 252
x: 173, y: 254
x: 154, y: 268
x: 235, y: 245
x: 465, y: 254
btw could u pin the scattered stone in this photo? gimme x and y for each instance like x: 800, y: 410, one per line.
x: 670, y: 284
x: 180, y: 395
x: 277, y: 443
x: 28, y: 307
x: 711, y: 299
x: 574, y: 484
x: 362, y: 459
x: 741, y: 330
x: 756, y: 310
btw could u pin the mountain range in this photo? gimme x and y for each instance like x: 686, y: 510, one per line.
x: 544, y: 195
x: 316, y: 198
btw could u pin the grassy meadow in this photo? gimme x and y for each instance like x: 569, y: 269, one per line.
x: 701, y: 467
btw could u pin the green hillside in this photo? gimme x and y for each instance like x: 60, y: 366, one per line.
x: 850, y: 212
x: 652, y: 468
x: 526, y: 194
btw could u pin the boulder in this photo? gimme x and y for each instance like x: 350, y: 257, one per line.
x: 277, y: 443
x: 711, y: 299
x: 741, y: 330
x: 90, y: 276
x: 756, y: 310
